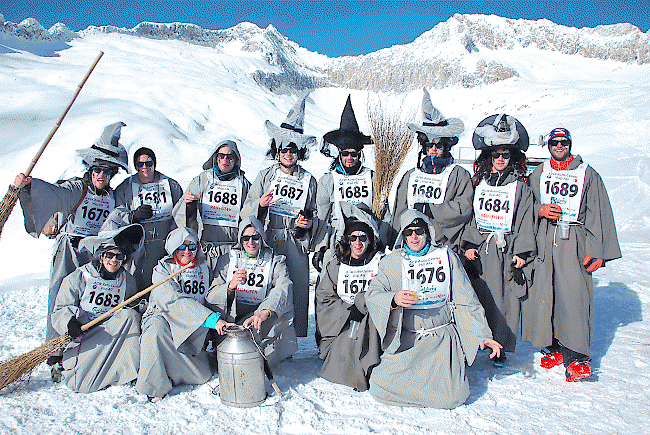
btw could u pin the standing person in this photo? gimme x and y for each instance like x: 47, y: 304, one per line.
x: 108, y: 353
x: 176, y: 322
x: 576, y: 235
x: 213, y: 201
x: 437, y: 187
x: 252, y: 287
x: 79, y: 206
x: 350, y: 343
x: 429, y: 321
x: 348, y: 180
x: 500, y: 239
x: 283, y: 198
x: 149, y: 197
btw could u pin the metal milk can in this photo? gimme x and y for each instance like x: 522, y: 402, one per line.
x: 241, y: 369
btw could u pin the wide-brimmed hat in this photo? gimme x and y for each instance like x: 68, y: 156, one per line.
x: 348, y: 134
x: 107, y: 151
x: 434, y: 124
x: 291, y: 130
x: 500, y: 130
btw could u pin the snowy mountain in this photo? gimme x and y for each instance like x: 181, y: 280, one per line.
x: 180, y: 88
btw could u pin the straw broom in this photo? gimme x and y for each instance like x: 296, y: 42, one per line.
x: 15, y: 368
x: 392, y: 141
x: 10, y: 198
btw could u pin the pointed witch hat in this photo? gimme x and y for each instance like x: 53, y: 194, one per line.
x: 291, y: 130
x: 500, y: 130
x: 107, y: 150
x: 348, y: 135
x: 434, y: 124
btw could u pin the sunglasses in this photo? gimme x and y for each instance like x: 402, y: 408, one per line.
x: 229, y: 156
x: 147, y: 163
x: 109, y: 255
x: 438, y: 143
x: 408, y: 231
x: 254, y: 237
x: 505, y: 154
x: 291, y: 150
x: 107, y: 171
x: 354, y: 154
x: 555, y: 142
x: 360, y: 237
x: 191, y: 246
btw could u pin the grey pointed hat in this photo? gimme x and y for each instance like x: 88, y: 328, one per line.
x: 434, y: 124
x: 129, y: 239
x: 107, y: 150
x: 291, y: 130
x: 348, y: 134
x: 500, y: 130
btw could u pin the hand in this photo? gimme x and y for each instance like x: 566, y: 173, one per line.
x: 518, y: 262
x: 355, y: 314
x: 592, y: 264
x: 267, y: 199
x: 550, y: 211
x: 190, y: 197
x: 222, y: 324
x: 404, y: 298
x: 496, y: 347
x: 303, y: 223
x: 141, y: 213
x: 471, y: 254
x: 317, y: 259
x: 256, y: 320
x: 74, y: 328
x: 238, y: 278
x: 21, y: 180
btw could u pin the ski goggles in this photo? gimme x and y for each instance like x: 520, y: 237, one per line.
x: 109, y: 172
x: 361, y: 237
x: 505, y: 154
x: 191, y: 246
x: 353, y: 154
x: 109, y: 255
x: 147, y: 163
x: 408, y: 231
x: 254, y: 238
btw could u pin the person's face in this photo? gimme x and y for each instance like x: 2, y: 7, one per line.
x: 101, y: 176
x: 415, y: 241
x: 251, y: 241
x: 186, y: 252
x: 358, y: 244
x: 502, y: 159
x: 288, y: 155
x: 114, y: 262
x: 435, y: 149
x: 559, y: 149
x: 144, y: 165
x: 349, y: 157
x: 225, y: 159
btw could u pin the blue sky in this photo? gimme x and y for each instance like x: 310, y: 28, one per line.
x: 334, y: 28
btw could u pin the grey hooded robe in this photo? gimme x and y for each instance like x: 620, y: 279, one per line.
x: 561, y: 301
x: 427, y: 371
x: 450, y: 217
x: 155, y: 232
x: 281, y: 236
x: 277, y: 337
x: 498, y: 285
x: 215, y: 239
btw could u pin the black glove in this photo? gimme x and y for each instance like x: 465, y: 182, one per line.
x: 141, y: 213
x: 317, y: 259
x: 74, y: 328
x: 355, y: 314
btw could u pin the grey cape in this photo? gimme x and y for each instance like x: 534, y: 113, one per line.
x: 172, y: 341
x: 498, y: 285
x: 561, y: 302
x: 155, y: 232
x: 281, y: 236
x: 429, y: 370
x: 215, y: 239
x: 450, y: 217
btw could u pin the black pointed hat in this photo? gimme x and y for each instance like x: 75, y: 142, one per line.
x: 348, y: 135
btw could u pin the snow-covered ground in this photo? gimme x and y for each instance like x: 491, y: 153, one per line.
x: 179, y: 99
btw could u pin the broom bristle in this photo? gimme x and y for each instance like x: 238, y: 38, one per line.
x: 7, y: 205
x: 15, y: 368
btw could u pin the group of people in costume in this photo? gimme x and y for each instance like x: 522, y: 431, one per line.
x: 403, y: 301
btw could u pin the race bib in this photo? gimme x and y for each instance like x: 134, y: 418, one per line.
x: 355, y: 189
x: 253, y: 291
x: 355, y: 279
x: 428, y: 277
x: 157, y: 195
x: 99, y: 295
x: 563, y: 188
x: 194, y: 282
x: 426, y: 188
x: 221, y: 203
x: 290, y: 193
x: 91, y: 214
x: 494, y: 206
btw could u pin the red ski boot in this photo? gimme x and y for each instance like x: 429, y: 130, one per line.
x: 578, y: 370
x: 550, y: 359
